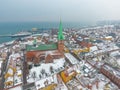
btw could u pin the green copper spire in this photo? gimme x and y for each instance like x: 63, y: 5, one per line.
x: 35, y: 41
x: 60, y: 33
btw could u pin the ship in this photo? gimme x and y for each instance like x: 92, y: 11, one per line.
x: 21, y: 34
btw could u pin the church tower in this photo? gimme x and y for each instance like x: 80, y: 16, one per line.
x: 60, y: 38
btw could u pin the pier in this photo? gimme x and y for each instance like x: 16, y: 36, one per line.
x: 7, y: 35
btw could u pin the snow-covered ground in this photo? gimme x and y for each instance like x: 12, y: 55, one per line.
x: 57, y: 66
x: 16, y: 88
x: 41, y: 83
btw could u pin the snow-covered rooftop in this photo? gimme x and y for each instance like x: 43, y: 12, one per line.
x: 41, y: 83
x: 93, y: 48
x: 71, y: 58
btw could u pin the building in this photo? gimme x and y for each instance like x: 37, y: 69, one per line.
x: 46, y: 52
x: 112, y: 74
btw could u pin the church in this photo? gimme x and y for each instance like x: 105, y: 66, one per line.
x: 46, y: 52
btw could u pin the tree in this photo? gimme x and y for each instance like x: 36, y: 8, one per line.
x: 40, y: 76
x: 34, y: 75
x: 51, y: 69
x: 42, y: 71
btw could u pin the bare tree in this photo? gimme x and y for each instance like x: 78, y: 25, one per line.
x: 51, y: 69
x: 43, y: 71
x: 34, y: 75
x: 40, y: 76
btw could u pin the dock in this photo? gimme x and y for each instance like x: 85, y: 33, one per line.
x: 7, y: 35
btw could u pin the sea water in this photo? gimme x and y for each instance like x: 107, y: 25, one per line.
x: 15, y: 27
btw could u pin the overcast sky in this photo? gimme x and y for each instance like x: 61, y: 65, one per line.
x: 53, y: 10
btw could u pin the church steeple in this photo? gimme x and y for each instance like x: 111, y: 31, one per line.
x: 60, y: 33
x: 60, y: 38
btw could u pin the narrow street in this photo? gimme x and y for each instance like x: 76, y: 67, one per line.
x: 4, y: 67
x: 24, y: 70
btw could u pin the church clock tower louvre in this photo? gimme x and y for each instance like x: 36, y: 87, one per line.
x: 60, y: 38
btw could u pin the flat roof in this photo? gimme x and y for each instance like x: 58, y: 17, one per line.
x: 42, y: 47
